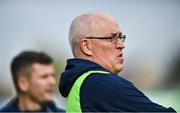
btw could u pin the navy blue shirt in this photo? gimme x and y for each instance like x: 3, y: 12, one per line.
x: 105, y: 92
x: 12, y: 106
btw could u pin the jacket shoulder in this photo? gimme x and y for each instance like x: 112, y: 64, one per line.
x: 11, y: 106
x: 110, y: 92
x: 104, y: 79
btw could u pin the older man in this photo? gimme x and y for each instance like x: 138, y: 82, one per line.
x: 90, y: 81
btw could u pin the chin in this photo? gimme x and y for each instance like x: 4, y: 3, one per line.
x: 48, y: 98
x: 119, y: 69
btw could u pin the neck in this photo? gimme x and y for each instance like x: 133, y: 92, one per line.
x: 28, y: 104
x: 100, y: 62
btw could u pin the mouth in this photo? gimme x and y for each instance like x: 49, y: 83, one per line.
x: 121, y: 58
x: 49, y: 91
x: 120, y: 55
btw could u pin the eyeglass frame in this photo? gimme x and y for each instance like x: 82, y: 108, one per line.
x: 112, y: 38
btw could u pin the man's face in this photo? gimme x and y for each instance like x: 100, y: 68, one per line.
x: 105, y: 52
x: 41, y: 82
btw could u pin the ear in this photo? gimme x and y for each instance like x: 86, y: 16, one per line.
x: 23, y: 83
x: 85, y: 47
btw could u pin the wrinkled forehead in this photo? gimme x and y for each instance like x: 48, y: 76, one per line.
x: 103, y: 24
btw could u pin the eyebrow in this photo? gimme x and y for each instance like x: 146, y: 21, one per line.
x: 116, y: 33
x: 104, y: 37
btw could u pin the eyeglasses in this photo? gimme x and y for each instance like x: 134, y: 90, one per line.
x: 114, y: 38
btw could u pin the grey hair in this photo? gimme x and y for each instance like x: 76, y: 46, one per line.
x: 79, y: 28
x: 83, y: 26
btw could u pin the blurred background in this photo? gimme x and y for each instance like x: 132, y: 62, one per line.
x: 152, y: 53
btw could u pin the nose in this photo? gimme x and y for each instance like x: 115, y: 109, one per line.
x: 52, y: 80
x: 120, y: 44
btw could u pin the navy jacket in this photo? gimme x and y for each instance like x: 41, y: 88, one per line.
x: 105, y: 92
x: 12, y: 106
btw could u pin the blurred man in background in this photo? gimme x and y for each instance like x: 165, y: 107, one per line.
x: 34, y: 79
x: 90, y: 80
